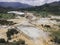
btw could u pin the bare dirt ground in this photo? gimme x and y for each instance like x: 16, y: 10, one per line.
x: 43, y: 39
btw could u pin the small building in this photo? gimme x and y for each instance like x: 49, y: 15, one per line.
x: 17, y: 13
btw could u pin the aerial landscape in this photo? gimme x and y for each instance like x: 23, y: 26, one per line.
x: 29, y: 22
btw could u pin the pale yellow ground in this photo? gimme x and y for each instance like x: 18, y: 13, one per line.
x: 28, y: 41
x: 3, y: 33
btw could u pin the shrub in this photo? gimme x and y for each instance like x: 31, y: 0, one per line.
x: 11, y: 32
x: 2, y: 41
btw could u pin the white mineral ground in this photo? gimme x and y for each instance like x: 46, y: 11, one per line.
x: 33, y: 33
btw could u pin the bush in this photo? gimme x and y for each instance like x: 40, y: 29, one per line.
x: 20, y: 42
x: 2, y: 41
x: 11, y: 32
x: 5, y: 22
x: 56, y: 36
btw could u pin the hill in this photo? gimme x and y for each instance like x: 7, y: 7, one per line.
x: 52, y: 8
x: 48, y: 8
x: 14, y: 5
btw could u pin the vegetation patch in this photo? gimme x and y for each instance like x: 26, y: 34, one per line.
x: 20, y: 42
x: 5, y: 22
x: 11, y: 32
x: 6, y: 16
x: 55, y: 34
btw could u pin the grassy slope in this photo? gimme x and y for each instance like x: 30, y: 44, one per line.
x: 6, y: 16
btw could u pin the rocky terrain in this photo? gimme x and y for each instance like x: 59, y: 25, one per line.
x: 34, y: 30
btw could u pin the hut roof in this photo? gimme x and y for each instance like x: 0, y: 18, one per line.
x: 16, y: 12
